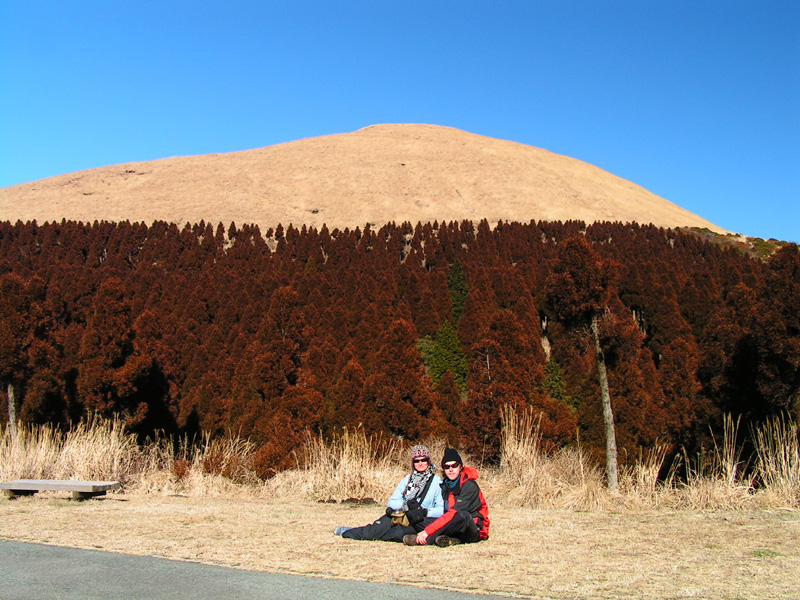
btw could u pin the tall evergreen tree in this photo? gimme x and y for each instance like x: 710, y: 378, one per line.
x: 457, y: 284
x: 577, y: 293
x: 16, y: 335
x: 110, y: 370
x: 444, y: 354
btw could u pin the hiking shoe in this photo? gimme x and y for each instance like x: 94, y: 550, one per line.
x: 410, y: 539
x: 443, y: 541
x: 341, y: 529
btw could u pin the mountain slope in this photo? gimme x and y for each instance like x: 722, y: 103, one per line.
x: 377, y: 174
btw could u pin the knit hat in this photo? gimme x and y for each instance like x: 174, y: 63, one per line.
x: 420, y: 451
x: 451, y: 455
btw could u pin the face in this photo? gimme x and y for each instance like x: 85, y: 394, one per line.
x: 452, y: 470
x: 420, y: 464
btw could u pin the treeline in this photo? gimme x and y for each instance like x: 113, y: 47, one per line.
x: 404, y: 330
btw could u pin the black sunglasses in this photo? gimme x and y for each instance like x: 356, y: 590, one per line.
x: 420, y: 460
x: 453, y: 465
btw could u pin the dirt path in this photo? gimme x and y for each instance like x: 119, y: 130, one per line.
x: 539, y: 554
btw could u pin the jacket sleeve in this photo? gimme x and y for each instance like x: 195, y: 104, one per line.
x: 433, y: 501
x: 396, y: 501
x: 440, y: 522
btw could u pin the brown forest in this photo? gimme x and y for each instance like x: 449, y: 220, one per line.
x: 408, y: 331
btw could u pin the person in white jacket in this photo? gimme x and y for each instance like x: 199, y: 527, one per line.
x: 415, y: 503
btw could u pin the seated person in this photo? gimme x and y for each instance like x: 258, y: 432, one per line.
x: 416, y: 501
x: 466, y: 515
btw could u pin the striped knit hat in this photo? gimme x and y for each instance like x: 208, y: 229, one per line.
x: 420, y: 451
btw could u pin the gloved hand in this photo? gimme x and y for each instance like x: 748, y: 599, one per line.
x: 415, y: 513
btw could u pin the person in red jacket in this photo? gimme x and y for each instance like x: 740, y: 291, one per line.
x: 466, y: 515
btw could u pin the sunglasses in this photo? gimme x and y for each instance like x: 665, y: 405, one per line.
x: 453, y: 465
x: 420, y: 460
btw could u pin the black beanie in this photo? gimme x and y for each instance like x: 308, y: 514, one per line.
x: 450, y: 455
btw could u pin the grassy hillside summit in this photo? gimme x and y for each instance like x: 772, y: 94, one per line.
x: 379, y: 174
x: 751, y: 246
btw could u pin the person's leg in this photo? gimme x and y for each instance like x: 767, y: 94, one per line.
x: 461, y: 527
x: 410, y: 535
x: 396, y: 533
x: 373, y: 531
x: 425, y: 522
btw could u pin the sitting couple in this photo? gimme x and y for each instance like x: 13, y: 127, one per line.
x: 426, y: 510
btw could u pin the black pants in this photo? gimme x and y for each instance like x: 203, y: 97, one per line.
x: 383, y: 530
x: 461, y: 526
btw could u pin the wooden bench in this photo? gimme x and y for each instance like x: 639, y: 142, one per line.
x: 81, y: 490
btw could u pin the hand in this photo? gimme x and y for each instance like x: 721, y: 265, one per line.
x: 415, y: 516
x: 422, y: 538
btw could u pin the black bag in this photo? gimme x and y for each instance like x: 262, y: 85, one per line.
x: 415, y: 513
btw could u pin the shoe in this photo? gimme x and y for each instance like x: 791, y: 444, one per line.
x: 341, y: 529
x: 410, y: 539
x: 443, y: 541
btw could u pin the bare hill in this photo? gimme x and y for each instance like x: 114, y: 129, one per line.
x: 374, y: 175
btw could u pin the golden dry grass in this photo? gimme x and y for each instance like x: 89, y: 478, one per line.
x: 644, y: 554
x: 349, y: 466
x: 352, y: 466
x: 93, y: 449
x: 778, y: 453
x: 383, y: 173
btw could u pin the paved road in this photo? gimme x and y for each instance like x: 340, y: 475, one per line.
x: 39, y: 572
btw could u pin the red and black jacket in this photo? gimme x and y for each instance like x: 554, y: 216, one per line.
x: 466, y: 495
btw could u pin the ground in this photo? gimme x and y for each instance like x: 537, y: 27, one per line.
x: 531, y: 553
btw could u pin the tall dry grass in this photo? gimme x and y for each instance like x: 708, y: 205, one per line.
x: 94, y: 449
x: 529, y: 477
x: 714, y: 478
x: 353, y: 466
x: 101, y: 449
x: 210, y: 467
x: 777, y: 445
x: 349, y: 466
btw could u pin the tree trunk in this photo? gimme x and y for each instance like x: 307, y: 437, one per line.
x: 12, y: 412
x: 608, y: 416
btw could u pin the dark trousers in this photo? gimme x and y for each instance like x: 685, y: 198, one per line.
x: 383, y: 530
x: 461, y: 526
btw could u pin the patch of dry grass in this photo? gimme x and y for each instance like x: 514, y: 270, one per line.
x: 528, y: 477
x: 778, y: 458
x: 351, y: 465
x: 93, y: 449
x: 100, y: 449
x: 556, y: 554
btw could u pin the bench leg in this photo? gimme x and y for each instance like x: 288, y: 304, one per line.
x: 86, y: 495
x: 11, y: 494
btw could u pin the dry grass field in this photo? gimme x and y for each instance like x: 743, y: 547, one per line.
x: 531, y: 553
x: 556, y: 530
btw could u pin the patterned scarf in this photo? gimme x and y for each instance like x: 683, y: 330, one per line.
x: 416, y: 483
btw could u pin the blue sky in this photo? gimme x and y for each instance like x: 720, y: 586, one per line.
x: 699, y: 102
